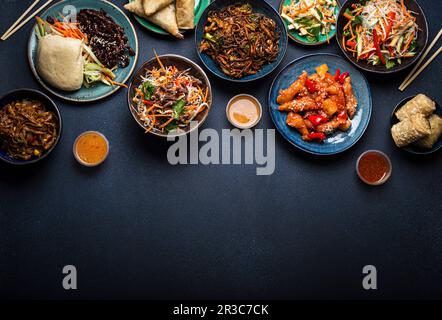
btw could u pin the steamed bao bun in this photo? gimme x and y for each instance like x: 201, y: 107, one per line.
x: 60, y: 62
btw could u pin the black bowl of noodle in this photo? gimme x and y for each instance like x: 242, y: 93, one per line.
x: 30, y: 126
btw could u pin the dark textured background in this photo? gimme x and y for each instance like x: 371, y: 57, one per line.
x: 137, y: 227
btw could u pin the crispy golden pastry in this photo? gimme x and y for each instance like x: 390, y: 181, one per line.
x: 436, y: 131
x: 410, y: 130
x: 136, y: 7
x: 185, y: 14
x: 296, y: 87
x: 419, y: 104
x: 152, y: 6
x: 166, y: 19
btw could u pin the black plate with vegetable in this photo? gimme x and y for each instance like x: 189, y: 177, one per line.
x: 382, y: 36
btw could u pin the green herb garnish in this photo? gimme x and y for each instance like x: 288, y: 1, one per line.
x: 390, y: 64
x: 148, y: 89
x: 178, y: 108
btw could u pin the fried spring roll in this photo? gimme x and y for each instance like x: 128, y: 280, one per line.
x: 410, y: 130
x: 436, y: 131
x: 419, y: 104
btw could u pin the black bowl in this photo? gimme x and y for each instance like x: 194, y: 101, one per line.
x: 181, y: 63
x: 422, y: 39
x: 412, y: 148
x: 21, y: 94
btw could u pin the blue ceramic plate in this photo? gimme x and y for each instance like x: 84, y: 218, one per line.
x: 259, y: 6
x: 339, y: 141
x: 412, y: 148
x: 21, y: 94
x: 99, y: 90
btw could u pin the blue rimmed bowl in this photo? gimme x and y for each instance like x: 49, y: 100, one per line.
x: 259, y: 6
x: 339, y: 141
x: 97, y: 91
x: 21, y: 94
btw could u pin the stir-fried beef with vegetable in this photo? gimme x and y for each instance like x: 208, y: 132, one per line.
x: 168, y: 99
x: 240, y: 41
x: 380, y: 32
x: 27, y: 129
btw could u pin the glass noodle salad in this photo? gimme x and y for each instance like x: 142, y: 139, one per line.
x: 311, y: 18
x: 168, y: 99
x: 380, y: 32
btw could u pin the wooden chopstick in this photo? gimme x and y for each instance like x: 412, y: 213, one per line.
x: 421, y: 69
x: 20, y: 19
x: 5, y: 37
x: 420, y: 60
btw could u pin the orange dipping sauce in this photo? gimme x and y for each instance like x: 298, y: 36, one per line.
x: 374, y: 167
x: 244, y: 111
x: 91, y: 148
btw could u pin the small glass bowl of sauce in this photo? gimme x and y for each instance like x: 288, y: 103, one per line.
x: 244, y: 111
x: 374, y: 167
x: 91, y: 148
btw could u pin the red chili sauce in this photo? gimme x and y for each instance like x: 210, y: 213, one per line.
x: 373, y: 167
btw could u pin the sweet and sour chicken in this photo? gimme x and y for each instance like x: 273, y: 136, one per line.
x: 319, y: 104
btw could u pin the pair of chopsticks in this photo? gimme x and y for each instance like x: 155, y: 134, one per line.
x: 413, y: 74
x: 19, y: 23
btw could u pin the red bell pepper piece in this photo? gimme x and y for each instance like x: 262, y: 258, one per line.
x: 319, y: 136
x: 377, y: 46
x: 351, y: 43
x: 310, y: 85
x: 343, y: 115
x: 337, y: 74
x: 343, y: 76
x: 390, y: 17
x: 316, y: 120
x: 390, y: 50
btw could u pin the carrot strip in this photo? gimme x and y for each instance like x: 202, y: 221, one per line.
x: 152, y: 123
x: 348, y: 16
x: 159, y: 61
x: 404, y: 10
x: 207, y: 94
x: 408, y: 42
x: 166, y: 123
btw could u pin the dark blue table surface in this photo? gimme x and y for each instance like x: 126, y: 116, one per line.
x: 138, y: 227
